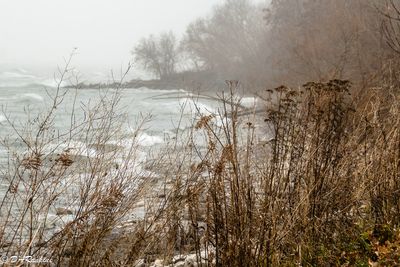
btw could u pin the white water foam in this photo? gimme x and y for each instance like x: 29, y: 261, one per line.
x: 142, y: 139
x: 249, y: 102
x: 75, y: 147
x: 192, y: 107
x: 149, y: 140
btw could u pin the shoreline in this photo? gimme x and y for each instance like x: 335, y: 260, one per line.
x: 189, y: 81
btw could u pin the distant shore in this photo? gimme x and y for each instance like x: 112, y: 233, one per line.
x: 190, y: 81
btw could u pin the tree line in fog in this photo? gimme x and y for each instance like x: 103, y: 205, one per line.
x: 286, y: 41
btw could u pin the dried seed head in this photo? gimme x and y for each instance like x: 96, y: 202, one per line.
x: 32, y: 162
x: 64, y: 159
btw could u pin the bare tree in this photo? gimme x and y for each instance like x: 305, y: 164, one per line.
x: 168, y: 53
x: 391, y: 23
x: 229, y: 40
x: 158, y: 55
x: 324, y: 39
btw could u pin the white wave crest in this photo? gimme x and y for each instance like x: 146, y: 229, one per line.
x: 249, y: 102
x: 149, y: 140
x: 191, y: 106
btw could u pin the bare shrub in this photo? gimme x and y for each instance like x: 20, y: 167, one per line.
x: 70, y: 192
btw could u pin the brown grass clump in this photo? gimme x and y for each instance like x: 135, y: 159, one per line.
x: 307, y: 196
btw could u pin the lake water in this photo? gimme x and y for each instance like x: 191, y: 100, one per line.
x: 24, y: 95
x: 171, y: 112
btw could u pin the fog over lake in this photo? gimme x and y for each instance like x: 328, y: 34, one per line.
x: 37, y: 34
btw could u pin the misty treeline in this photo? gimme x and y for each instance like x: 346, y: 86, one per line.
x: 286, y: 41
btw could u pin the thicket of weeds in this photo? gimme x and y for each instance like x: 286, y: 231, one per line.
x: 313, y: 180
x: 324, y: 189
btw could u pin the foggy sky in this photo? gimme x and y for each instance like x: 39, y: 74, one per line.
x: 40, y: 33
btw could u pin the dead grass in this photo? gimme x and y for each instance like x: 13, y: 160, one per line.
x: 328, y: 174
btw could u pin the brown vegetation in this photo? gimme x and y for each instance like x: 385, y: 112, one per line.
x: 323, y: 190
x: 313, y: 180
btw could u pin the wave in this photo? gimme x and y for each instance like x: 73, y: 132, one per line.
x: 74, y: 147
x: 16, y: 75
x: 142, y: 139
x: 2, y: 118
x: 31, y: 96
x: 191, y: 106
x: 16, y: 78
x: 165, y: 92
x: 21, y: 78
x: 52, y: 83
x: 249, y: 102
x: 26, y: 97
x: 149, y: 140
